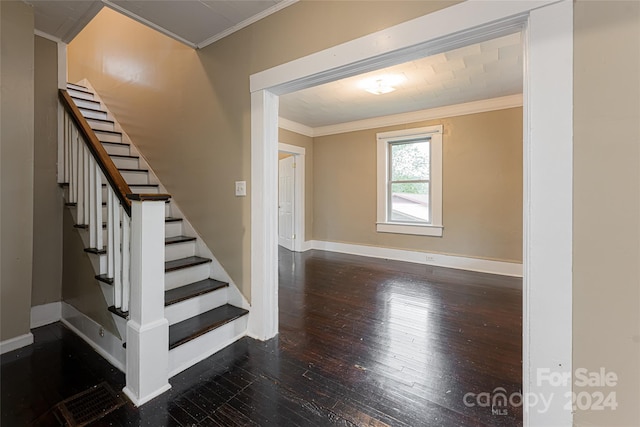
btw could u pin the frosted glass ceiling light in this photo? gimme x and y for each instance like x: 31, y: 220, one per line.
x: 382, y: 84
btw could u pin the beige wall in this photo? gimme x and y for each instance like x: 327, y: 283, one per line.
x: 189, y: 111
x: 606, y: 297
x: 16, y: 167
x: 306, y: 142
x: 47, y: 196
x: 482, y: 188
x: 79, y: 286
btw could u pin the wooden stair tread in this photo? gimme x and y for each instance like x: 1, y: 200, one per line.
x: 104, y: 279
x: 111, y: 132
x: 178, y: 239
x: 133, y: 170
x: 118, y: 312
x: 181, y: 263
x: 192, y: 290
x: 69, y: 84
x: 114, y: 143
x: 172, y: 219
x: 85, y: 100
x: 124, y: 156
x: 192, y: 328
x: 91, y: 109
x: 96, y: 251
x: 100, y: 120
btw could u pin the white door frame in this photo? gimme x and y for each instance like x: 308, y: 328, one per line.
x: 299, y: 194
x: 547, y: 156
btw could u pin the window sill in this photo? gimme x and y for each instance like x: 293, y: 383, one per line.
x: 418, y: 230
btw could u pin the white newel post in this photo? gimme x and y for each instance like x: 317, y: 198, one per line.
x: 147, y: 328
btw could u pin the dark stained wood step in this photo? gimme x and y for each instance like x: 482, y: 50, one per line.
x: 178, y: 239
x: 145, y: 185
x: 73, y: 205
x: 133, y: 170
x: 74, y: 85
x: 179, y: 264
x: 95, y: 251
x: 110, y: 132
x: 124, y: 156
x: 118, y: 312
x: 192, y: 328
x: 192, y: 290
x: 104, y: 279
x: 92, y: 109
x: 114, y: 143
x: 101, y: 120
x: 172, y: 219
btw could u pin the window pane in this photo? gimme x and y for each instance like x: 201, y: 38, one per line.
x: 410, y: 202
x: 410, y: 161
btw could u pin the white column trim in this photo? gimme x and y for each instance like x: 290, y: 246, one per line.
x: 263, y: 316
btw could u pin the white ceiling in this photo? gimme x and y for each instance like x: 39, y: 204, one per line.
x: 481, y: 71
x: 196, y: 23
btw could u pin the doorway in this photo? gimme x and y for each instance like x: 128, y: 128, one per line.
x: 291, y: 197
x: 548, y: 147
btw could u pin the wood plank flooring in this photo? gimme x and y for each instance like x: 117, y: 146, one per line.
x: 362, y: 342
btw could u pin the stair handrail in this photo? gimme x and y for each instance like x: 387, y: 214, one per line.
x: 109, y: 169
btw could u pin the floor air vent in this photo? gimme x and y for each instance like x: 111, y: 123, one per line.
x: 90, y: 405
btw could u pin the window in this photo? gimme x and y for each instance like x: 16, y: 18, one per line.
x: 410, y: 181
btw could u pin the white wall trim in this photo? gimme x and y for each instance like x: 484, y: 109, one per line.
x: 47, y: 36
x: 108, y: 346
x: 548, y: 144
x: 458, y: 262
x: 16, y: 343
x: 273, y: 9
x: 45, y: 314
x: 482, y: 106
x: 296, y: 127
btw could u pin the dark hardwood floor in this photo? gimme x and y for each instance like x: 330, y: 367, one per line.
x: 362, y: 342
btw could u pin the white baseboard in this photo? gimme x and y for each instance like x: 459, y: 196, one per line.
x: 108, y: 346
x: 45, y: 314
x: 16, y: 343
x: 440, y: 260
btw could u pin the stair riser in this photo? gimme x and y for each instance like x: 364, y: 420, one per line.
x: 188, y: 354
x: 172, y: 229
x: 94, y: 114
x: 143, y: 190
x: 135, y: 177
x: 126, y: 163
x: 123, y: 150
x: 194, y: 306
x: 108, y: 137
x: 179, y: 250
x: 87, y: 104
x: 175, y: 279
x: 100, y: 125
x: 78, y: 94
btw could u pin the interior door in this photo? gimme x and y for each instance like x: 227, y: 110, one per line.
x: 286, y: 194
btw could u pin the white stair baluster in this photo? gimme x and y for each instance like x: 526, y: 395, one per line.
x: 93, y: 226
x: 110, y: 227
x: 97, y: 189
x: 86, y: 186
x: 126, y: 261
x: 117, y: 259
x: 66, y: 142
x: 73, y: 178
x: 80, y: 181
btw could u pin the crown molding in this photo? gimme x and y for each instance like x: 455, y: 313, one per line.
x: 273, y: 9
x: 473, y: 107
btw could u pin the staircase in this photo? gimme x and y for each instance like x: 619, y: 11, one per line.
x: 204, y: 310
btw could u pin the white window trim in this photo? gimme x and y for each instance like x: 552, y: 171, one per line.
x: 435, y: 183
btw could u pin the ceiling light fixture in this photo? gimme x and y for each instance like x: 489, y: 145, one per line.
x: 382, y: 84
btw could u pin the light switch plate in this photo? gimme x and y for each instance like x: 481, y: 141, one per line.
x: 241, y: 188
